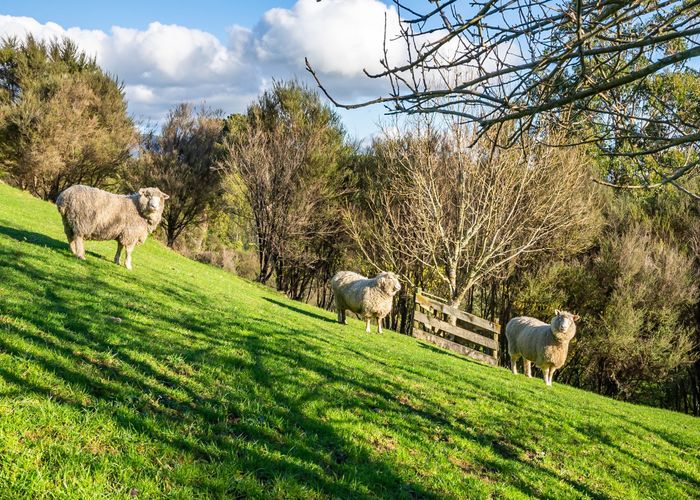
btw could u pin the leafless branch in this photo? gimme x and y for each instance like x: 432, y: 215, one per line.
x: 465, y: 213
x: 534, y: 62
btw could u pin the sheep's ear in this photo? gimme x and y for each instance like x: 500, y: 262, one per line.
x: 576, y: 317
x: 142, y: 191
x: 557, y: 312
x: 164, y: 196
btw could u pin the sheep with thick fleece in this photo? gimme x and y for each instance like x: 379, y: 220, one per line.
x: 93, y: 214
x: 368, y: 297
x: 546, y: 345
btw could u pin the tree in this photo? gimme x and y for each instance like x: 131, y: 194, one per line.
x: 468, y: 213
x: 377, y: 244
x: 639, y: 336
x: 63, y: 121
x: 672, y: 99
x: 181, y: 161
x: 636, y: 291
x: 533, y: 62
x: 285, y: 157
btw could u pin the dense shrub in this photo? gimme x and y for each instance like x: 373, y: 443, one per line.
x: 63, y: 120
x: 636, y: 293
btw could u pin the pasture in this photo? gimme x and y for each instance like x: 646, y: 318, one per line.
x: 183, y: 380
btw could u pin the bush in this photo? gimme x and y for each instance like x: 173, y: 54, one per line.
x: 63, y: 121
x: 635, y: 294
x: 244, y: 263
x: 642, y: 334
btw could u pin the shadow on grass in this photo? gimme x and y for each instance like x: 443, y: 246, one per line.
x: 40, y: 240
x: 277, y: 440
x: 237, y: 389
x: 300, y: 310
x: 33, y: 238
x: 600, y: 435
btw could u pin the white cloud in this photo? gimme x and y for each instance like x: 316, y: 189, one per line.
x: 166, y: 64
x: 166, y: 55
x: 341, y: 37
x: 139, y: 93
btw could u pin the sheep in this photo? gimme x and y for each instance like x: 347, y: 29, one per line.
x: 537, y: 342
x: 92, y: 214
x: 368, y: 297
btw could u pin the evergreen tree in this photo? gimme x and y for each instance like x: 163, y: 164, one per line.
x: 63, y: 120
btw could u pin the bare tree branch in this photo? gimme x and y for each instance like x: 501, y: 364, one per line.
x: 465, y: 213
x: 533, y: 63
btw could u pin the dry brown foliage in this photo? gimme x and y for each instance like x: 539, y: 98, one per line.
x: 468, y: 213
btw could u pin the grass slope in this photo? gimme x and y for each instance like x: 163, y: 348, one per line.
x: 179, y: 379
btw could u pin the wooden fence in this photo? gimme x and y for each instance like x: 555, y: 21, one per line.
x: 436, y: 322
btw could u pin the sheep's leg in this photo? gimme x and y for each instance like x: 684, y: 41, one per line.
x: 367, y: 325
x: 127, y: 261
x: 545, y: 374
x: 71, y: 238
x: 73, y: 246
x: 379, y: 325
x: 118, y: 255
x: 79, y: 248
x: 341, y: 311
x: 528, y: 367
x: 514, y: 363
x: 551, y: 375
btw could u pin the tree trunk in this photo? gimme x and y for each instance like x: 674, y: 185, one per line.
x: 170, y: 236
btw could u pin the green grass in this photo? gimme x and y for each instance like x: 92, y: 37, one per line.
x: 179, y: 379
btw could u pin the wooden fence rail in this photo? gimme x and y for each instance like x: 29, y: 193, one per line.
x: 438, y: 323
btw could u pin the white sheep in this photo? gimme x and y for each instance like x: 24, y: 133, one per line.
x: 92, y: 214
x: 368, y: 297
x: 546, y: 345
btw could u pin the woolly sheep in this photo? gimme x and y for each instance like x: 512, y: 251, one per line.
x: 537, y: 342
x: 92, y: 214
x: 368, y: 297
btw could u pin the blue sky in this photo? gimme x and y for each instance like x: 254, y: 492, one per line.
x: 211, y: 16
x: 219, y: 53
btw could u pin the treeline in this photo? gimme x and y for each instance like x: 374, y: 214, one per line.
x: 281, y: 195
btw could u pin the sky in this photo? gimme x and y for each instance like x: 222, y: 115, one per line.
x: 222, y: 54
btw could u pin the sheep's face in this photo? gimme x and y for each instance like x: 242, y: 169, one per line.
x: 151, y: 201
x: 389, y: 283
x: 563, y: 325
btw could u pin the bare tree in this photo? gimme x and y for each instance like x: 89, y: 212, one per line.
x: 266, y: 165
x: 467, y: 213
x: 180, y: 160
x: 530, y: 62
x: 371, y: 215
x: 283, y: 157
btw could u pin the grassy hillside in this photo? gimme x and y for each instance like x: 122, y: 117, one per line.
x: 180, y: 379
